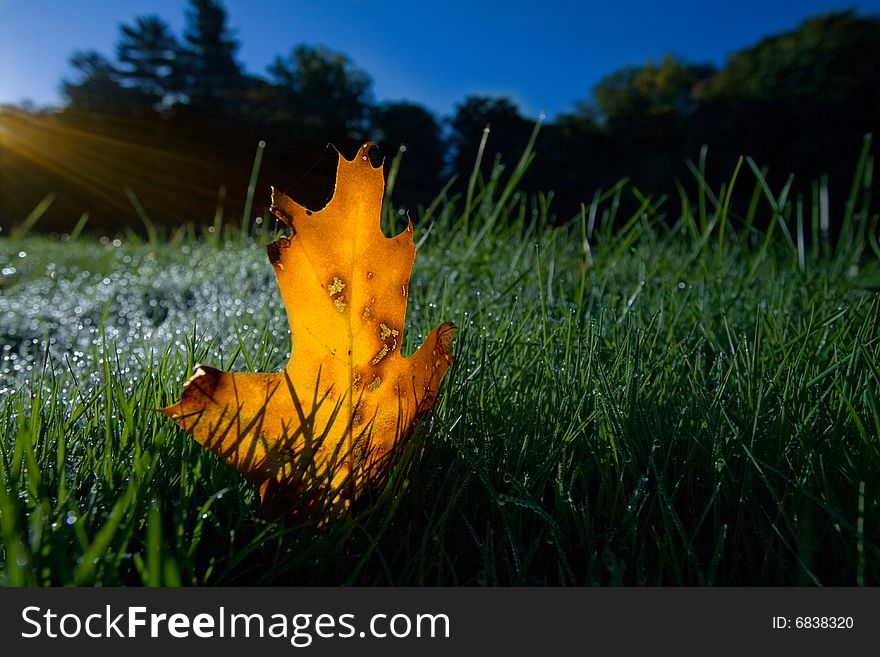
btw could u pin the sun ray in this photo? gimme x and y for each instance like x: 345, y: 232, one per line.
x: 98, y: 162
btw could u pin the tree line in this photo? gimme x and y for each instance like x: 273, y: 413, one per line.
x: 171, y: 123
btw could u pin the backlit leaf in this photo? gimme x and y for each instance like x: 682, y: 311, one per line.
x: 315, y: 433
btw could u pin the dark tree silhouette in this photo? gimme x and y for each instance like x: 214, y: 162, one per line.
x: 97, y: 87
x: 655, y: 89
x: 147, y: 53
x: 322, y: 93
x: 830, y: 57
x: 207, y: 61
x: 798, y: 102
x: 509, y: 132
x: 411, y: 127
x: 645, y: 112
x: 572, y: 160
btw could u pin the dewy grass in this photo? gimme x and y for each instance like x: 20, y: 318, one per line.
x: 656, y: 395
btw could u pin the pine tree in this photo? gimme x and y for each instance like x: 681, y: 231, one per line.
x: 209, y: 67
x: 147, y: 53
x: 97, y: 88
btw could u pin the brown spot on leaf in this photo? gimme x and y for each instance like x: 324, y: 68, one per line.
x: 279, y: 211
x: 273, y: 250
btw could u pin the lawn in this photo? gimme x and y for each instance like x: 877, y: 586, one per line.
x: 655, y: 392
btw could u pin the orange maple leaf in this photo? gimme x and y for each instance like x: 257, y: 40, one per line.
x: 315, y: 433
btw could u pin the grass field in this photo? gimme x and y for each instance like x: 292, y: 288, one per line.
x: 668, y: 396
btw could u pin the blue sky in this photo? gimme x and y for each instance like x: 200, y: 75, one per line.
x: 544, y: 55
